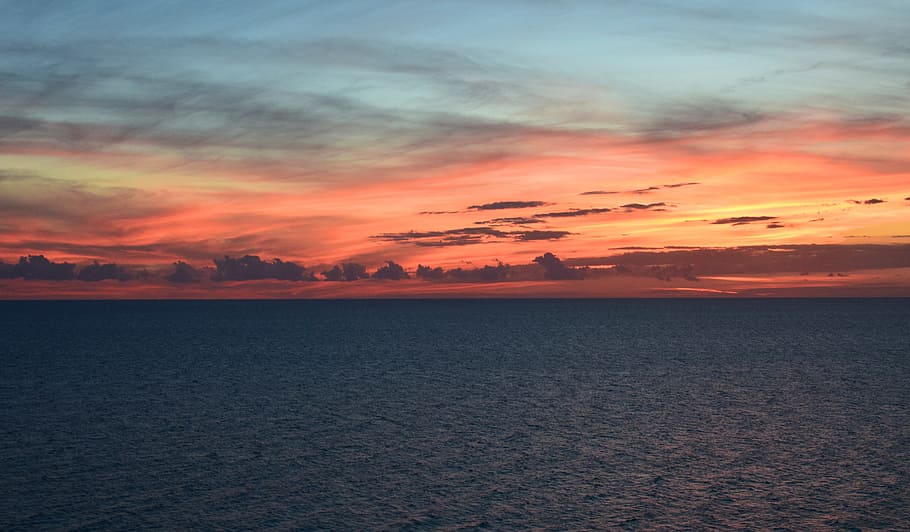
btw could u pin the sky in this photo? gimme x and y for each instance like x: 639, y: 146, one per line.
x: 451, y: 134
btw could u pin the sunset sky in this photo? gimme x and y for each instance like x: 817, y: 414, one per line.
x: 454, y: 134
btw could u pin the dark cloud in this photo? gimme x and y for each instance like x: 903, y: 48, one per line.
x: 251, y: 267
x: 497, y: 205
x: 184, y: 273
x: 742, y: 220
x: 101, y: 272
x: 762, y: 259
x: 39, y: 267
x: 540, y: 235
x: 391, y: 271
x: 642, y: 206
x: 555, y: 269
x: 348, y: 271
x: 645, y: 190
x: 516, y: 220
x: 458, y: 240
x: 871, y: 201
x: 485, y: 274
x: 775, y: 225
x: 439, y: 212
x: 467, y: 236
x: 572, y: 213
x: 430, y: 274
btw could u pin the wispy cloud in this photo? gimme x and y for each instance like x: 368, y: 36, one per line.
x: 742, y: 220
x: 573, y: 213
x: 498, y: 205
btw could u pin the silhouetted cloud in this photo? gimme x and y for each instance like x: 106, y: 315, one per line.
x: 515, y: 220
x: 573, y: 212
x: 7, y: 271
x: 184, y: 273
x: 642, y: 206
x: 742, y: 220
x: 391, y: 271
x: 497, y: 205
x: 467, y: 236
x: 540, y: 235
x: 39, y: 267
x: 554, y: 268
x: 871, y: 201
x: 430, y: 274
x: 458, y: 240
x: 100, y: 272
x: 486, y: 274
x: 645, y: 190
x: 348, y: 271
x: 774, y: 225
x: 250, y: 267
x: 762, y: 259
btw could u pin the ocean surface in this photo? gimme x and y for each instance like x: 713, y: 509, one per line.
x: 360, y: 415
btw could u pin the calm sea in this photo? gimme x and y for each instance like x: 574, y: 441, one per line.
x: 557, y: 414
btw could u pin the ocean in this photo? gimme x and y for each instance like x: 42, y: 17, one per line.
x: 455, y: 414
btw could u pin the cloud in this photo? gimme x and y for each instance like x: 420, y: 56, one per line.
x: 775, y: 225
x: 642, y: 206
x: 251, y: 267
x: 871, y: 201
x: 644, y: 190
x: 467, y: 236
x: 485, y: 274
x: 555, y: 269
x: 348, y: 271
x: 516, y: 220
x: 742, y: 220
x: 99, y: 272
x: 430, y: 274
x: 572, y: 213
x: 449, y: 241
x: 39, y: 267
x: 540, y: 235
x: 697, y: 116
x: 27, y: 199
x: 497, y: 205
x: 184, y: 273
x: 391, y: 271
x: 763, y: 259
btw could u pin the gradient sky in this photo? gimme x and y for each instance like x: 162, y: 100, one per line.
x: 149, y: 132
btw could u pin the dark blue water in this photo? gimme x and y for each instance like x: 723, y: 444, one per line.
x: 449, y: 414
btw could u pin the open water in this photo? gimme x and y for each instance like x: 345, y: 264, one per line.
x: 555, y: 414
